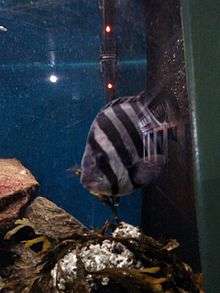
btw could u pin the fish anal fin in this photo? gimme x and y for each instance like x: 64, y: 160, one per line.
x: 146, y: 171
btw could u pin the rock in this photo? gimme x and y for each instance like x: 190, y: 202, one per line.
x: 17, y: 186
x: 49, y: 225
x: 82, y: 260
x: 50, y: 220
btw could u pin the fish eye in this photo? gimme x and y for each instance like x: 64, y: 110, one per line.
x: 101, y: 160
x: 99, y: 157
x: 88, y: 163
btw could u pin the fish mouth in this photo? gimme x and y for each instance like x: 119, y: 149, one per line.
x: 99, y: 194
x: 94, y: 193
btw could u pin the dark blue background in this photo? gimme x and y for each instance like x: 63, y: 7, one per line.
x: 44, y: 124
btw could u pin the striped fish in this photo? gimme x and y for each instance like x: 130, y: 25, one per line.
x: 112, y: 163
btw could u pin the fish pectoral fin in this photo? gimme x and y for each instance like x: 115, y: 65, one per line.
x: 146, y: 171
x: 75, y: 170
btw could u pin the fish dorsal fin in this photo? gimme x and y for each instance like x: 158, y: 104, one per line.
x: 114, y: 102
x: 121, y: 100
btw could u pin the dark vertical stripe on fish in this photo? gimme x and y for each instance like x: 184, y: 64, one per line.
x: 114, y: 137
x: 136, y: 109
x: 104, y: 165
x: 131, y: 129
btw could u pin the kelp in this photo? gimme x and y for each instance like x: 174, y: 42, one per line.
x: 160, y: 271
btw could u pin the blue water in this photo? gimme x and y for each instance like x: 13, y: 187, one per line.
x: 45, y: 124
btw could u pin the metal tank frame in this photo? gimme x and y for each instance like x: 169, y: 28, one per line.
x: 201, y: 34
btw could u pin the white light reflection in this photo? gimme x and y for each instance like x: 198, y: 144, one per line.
x: 53, y: 78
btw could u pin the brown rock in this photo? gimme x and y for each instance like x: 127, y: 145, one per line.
x: 50, y: 220
x: 50, y: 226
x: 17, y: 185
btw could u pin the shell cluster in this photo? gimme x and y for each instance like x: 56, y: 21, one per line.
x: 125, y: 230
x: 96, y: 257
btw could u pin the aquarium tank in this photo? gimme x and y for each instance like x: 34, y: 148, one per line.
x: 52, y: 89
x: 98, y: 148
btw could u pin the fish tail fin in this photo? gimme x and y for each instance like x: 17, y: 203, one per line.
x: 165, y: 109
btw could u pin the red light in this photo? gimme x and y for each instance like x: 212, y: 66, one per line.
x: 108, y: 29
x: 109, y: 86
